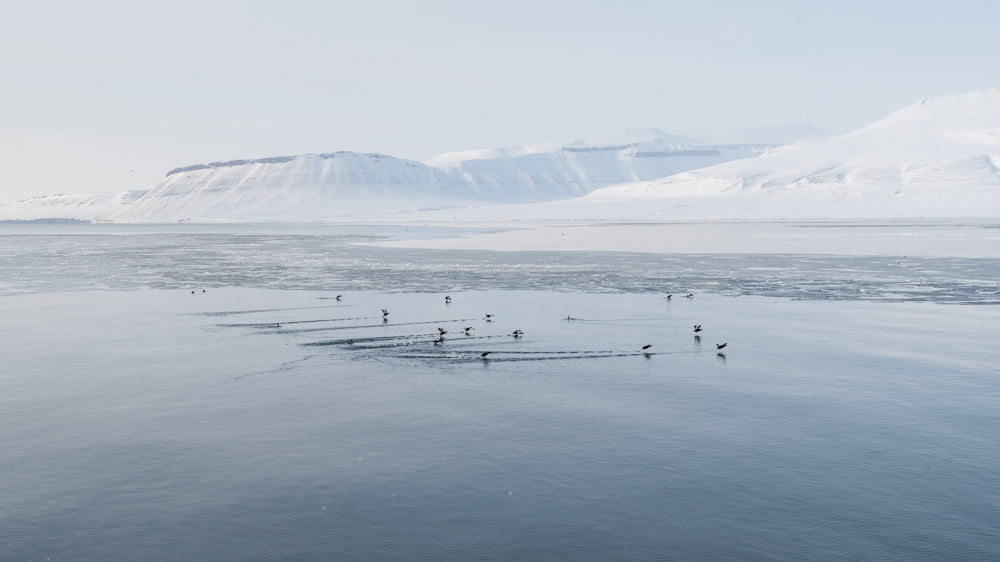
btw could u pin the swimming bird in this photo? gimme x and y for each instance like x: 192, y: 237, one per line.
x: 720, y: 345
x: 697, y: 327
x: 438, y: 340
x: 468, y: 329
x: 489, y: 317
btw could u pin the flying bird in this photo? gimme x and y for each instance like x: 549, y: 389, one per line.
x: 697, y: 327
x: 647, y: 346
x: 484, y: 354
x: 338, y: 297
x: 720, y: 345
x: 517, y: 333
x: 447, y: 299
x: 385, y: 312
x: 442, y: 331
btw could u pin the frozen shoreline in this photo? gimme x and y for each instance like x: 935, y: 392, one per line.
x: 960, y: 238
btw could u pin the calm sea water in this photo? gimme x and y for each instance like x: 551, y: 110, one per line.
x: 853, y: 414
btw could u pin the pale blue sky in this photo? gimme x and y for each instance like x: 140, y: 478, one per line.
x: 107, y: 95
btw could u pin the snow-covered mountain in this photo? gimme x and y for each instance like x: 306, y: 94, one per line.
x: 293, y: 188
x: 559, y: 171
x: 347, y: 184
x: 80, y: 206
x: 937, y: 157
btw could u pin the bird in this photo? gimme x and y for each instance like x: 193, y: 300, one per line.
x: 669, y: 296
x: 385, y: 313
x: 442, y: 331
x: 468, y: 329
x: 438, y: 340
x: 350, y: 341
x: 447, y: 299
x: 697, y: 327
x: 689, y: 295
x: 277, y: 324
x: 489, y: 317
x: 338, y: 297
x: 647, y: 346
x: 484, y: 354
x: 517, y: 333
x: 720, y: 345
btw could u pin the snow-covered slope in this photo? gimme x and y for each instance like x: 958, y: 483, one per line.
x: 937, y: 157
x: 81, y: 206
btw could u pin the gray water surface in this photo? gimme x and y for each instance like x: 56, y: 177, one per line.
x: 262, y: 419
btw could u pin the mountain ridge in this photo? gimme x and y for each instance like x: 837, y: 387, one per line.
x: 937, y: 157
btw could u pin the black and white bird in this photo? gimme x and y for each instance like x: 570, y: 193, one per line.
x: 442, y: 331
x: 385, y: 313
x: 338, y: 297
x: 468, y: 330
x: 489, y: 317
x: 689, y: 295
x: 647, y: 346
x: 484, y: 354
x: 720, y: 346
x: 517, y: 333
x: 669, y: 296
x: 697, y: 327
x: 438, y: 340
x: 447, y: 299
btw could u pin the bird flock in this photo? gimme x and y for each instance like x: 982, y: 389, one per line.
x: 517, y: 334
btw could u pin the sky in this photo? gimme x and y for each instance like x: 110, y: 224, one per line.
x: 110, y: 95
